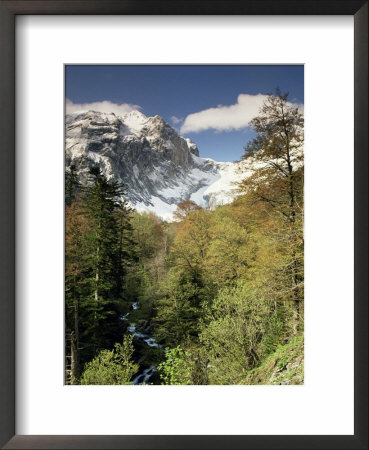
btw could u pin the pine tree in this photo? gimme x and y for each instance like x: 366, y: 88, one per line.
x: 107, y: 214
x: 76, y: 227
x: 72, y: 185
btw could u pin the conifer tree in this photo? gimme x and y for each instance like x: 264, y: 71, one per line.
x: 108, y: 254
x: 76, y: 227
x: 72, y: 185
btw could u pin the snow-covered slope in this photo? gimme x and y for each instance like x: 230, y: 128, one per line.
x: 158, y: 167
x: 209, y: 184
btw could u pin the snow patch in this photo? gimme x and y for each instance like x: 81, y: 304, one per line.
x: 135, y: 121
x: 158, y: 207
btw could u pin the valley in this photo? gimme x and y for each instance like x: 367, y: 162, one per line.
x: 181, y: 270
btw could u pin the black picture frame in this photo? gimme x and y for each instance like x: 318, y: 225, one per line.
x: 8, y: 12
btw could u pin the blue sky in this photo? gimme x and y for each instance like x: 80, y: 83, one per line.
x: 210, y: 104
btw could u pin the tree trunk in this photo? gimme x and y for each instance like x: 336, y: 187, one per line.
x: 291, y: 192
x: 295, y: 296
x: 75, y: 367
x: 74, y: 359
x: 96, y: 294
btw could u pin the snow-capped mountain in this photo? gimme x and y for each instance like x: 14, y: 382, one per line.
x: 158, y: 167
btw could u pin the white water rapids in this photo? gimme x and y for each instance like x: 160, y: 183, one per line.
x: 143, y: 377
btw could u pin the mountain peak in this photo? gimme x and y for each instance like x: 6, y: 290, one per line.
x: 158, y: 167
x: 135, y: 120
x: 135, y: 113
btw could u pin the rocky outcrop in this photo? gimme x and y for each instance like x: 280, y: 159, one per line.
x: 159, y: 167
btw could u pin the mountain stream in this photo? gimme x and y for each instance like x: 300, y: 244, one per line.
x: 144, y: 376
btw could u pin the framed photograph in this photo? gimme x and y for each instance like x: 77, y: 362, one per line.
x: 163, y: 242
x: 171, y: 175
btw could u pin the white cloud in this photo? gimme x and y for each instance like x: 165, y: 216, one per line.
x: 225, y: 118
x: 176, y: 120
x: 105, y: 106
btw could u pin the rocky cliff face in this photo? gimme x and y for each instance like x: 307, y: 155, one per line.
x: 158, y: 167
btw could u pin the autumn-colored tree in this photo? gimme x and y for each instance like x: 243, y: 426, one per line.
x: 184, y: 208
x: 147, y: 234
x: 231, y: 251
x: 276, y: 158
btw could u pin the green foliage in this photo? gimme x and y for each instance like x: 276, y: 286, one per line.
x: 284, y: 366
x: 176, y: 311
x: 232, y: 336
x: 222, y: 289
x: 147, y: 234
x: 72, y: 185
x: 276, y: 330
x: 111, y: 366
x: 176, y: 369
x: 277, y: 182
x: 99, y: 254
x: 231, y: 250
x: 277, y: 178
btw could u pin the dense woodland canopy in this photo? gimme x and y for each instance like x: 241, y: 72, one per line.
x: 220, y: 291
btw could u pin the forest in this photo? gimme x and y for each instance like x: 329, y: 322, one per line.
x: 215, y: 297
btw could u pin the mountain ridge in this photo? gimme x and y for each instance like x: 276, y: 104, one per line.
x: 159, y: 167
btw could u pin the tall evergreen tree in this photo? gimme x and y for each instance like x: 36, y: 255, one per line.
x: 107, y: 215
x: 99, y: 250
x: 72, y: 185
x: 76, y: 227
